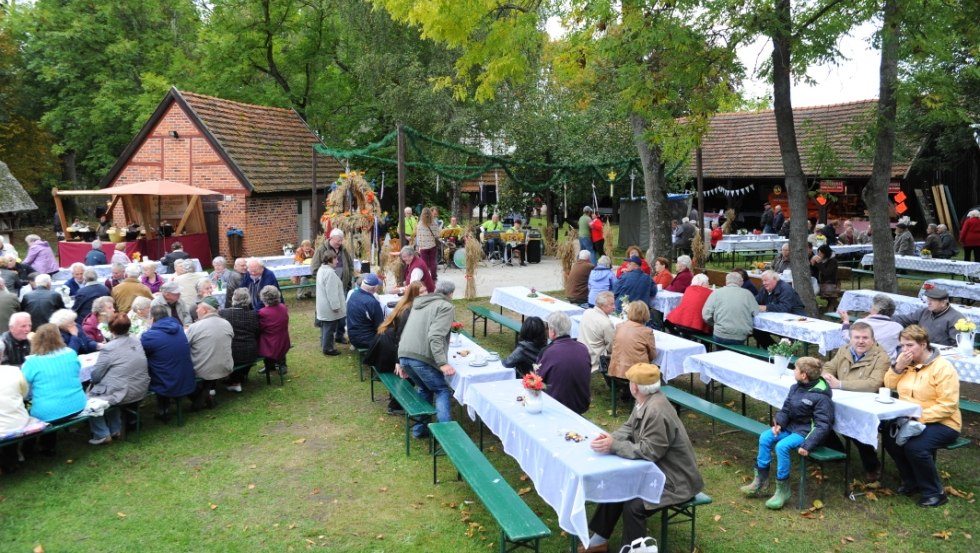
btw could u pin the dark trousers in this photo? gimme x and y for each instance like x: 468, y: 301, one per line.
x: 971, y: 250
x: 430, y: 257
x: 49, y: 440
x: 869, y: 458
x: 634, y: 516
x: 914, y: 460
x: 328, y: 330
x: 721, y: 340
x: 763, y: 338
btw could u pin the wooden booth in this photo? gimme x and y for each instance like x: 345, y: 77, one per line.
x: 157, y: 214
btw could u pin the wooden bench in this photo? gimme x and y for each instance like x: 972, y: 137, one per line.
x: 403, y: 391
x: 859, y: 273
x: 681, y: 514
x: 51, y: 428
x: 480, y: 312
x: 519, y: 526
x: 822, y: 455
x: 971, y: 406
x: 713, y: 411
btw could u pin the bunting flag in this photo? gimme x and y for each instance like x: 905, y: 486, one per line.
x: 730, y: 193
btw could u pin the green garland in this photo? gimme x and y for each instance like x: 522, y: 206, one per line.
x: 605, y: 173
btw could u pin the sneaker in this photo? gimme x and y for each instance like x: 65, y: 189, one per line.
x: 101, y: 441
x: 523, y: 264
x: 283, y: 369
x: 237, y: 388
x: 331, y: 352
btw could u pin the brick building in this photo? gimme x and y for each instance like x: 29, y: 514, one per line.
x: 259, y: 158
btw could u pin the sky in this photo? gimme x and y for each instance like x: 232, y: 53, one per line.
x: 855, y: 78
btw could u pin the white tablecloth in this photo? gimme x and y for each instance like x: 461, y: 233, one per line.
x: 277, y: 261
x: 88, y: 361
x: 857, y: 414
x: 955, y: 288
x: 968, y: 368
x: 515, y: 298
x: 671, y: 350
x: 750, y: 237
x: 105, y: 271
x: 566, y: 474
x: 467, y: 375
x: 825, y: 334
x: 860, y: 300
x: 727, y: 245
x: 852, y: 248
x: 932, y: 265
x: 286, y: 271
x: 666, y: 301
x: 385, y: 299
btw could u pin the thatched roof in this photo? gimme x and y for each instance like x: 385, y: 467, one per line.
x: 13, y: 197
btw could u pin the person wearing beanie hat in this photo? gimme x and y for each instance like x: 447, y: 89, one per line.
x: 938, y: 317
x: 364, y: 313
x: 655, y: 433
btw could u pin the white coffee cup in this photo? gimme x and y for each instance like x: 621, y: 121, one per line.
x: 660, y: 286
x: 480, y: 359
x: 884, y: 394
x: 493, y: 356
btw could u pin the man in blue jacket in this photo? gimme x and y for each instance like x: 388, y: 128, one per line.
x: 256, y: 278
x: 634, y: 283
x: 776, y: 296
x: 168, y: 358
x: 364, y: 313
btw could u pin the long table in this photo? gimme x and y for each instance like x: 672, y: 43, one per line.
x: 105, y: 271
x: 860, y: 300
x: 930, y: 265
x: 671, y: 350
x: 515, y: 298
x: 825, y: 334
x: 955, y: 288
x: 566, y: 474
x: 666, y: 301
x: 466, y: 375
x: 857, y: 414
x: 728, y: 245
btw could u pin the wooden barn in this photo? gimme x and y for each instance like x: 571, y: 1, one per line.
x: 257, y: 159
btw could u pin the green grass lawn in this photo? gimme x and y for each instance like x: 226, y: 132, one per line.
x: 316, y: 465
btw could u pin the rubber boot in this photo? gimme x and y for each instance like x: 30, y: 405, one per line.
x: 782, y: 494
x: 759, y: 485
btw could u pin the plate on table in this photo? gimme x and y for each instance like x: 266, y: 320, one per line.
x: 880, y: 399
x: 475, y: 363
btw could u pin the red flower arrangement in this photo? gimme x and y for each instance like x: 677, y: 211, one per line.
x: 456, y: 327
x: 533, y: 382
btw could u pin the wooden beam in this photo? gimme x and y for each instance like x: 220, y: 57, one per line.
x: 61, y: 209
x: 193, y: 202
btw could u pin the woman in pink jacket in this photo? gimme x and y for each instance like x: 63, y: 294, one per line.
x: 970, y: 235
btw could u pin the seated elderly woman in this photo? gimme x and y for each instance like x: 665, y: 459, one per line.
x: 187, y: 279
x: 686, y: 318
x: 601, y: 279
x: 633, y: 342
x: 922, y: 376
x: 150, y: 278
x: 120, y: 377
x: 72, y: 334
x: 139, y: 316
x: 531, y: 340
x: 90, y: 291
x: 96, y: 325
x: 274, y: 341
x: 204, y: 288
x: 52, y: 371
x: 245, y: 344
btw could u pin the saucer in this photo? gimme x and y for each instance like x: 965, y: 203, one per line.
x: 474, y: 363
x: 879, y: 399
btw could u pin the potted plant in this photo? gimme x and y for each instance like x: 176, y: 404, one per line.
x: 533, y: 385
x: 534, y: 293
x: 964, y: 340
x: 455, y: 329
x: 782, y: 351
x: 925, y: 253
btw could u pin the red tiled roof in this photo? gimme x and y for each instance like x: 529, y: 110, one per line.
x: 745, y: 144
x: 272, y: 147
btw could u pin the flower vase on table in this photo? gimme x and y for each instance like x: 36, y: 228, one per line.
x: 781, y: 353
x: 533, y: 386
x: 964, y: 340
x: 455, y: 334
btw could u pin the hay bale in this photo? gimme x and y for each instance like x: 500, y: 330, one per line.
x: 474, y: 253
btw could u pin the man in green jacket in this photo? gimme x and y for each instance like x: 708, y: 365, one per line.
x: 730, y: 310
x: 423, y: 353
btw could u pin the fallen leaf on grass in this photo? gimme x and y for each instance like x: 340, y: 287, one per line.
x: 253, y: 466
x: 967, y: 536
x: 881, y: 535
x: 953, y: 491
x: 213, y: 506
x: 817, y: 504
x: 379, y: 537
x: 69, y: 461
x: 722, y: 528
x: 121, y: 514
x: 523, y: 491
x: 251, y: 486
x: 943, y: 534
x: 847, y: 539
x: 300, y: 441
x: 524, y: 478
x: 383, y: 489
x: 291, y: 526
x: 808, y: 514
x: 316, y: 491
x: 717, y: 518
x: 871, y: 496
x: 38, y: 548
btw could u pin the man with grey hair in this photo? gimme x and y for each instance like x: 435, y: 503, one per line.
x: 730, y: 310
x: 96, y: 256
x: 947, y: 244
x: 176, y: 253
x: 187, y: 279
x: 170, y: 298
x: 596, y: 330
x: 781, y: 261
x: 654, y: 433
x: 932, y: 240
x: 423, y: 352
x: 565, y: 366
x: 415, y: 270
x: 130, y: 288
x: 118, y: 273
x: 41, y: 302
x: 256, y: 278
x: 88, y: 293
x: 235, y: 279
x: 210, y: 339
x: 577, y: 279
x: 16, y: 346
x: 77, y: 279
x: 345, y: 264
x: 585, y: 233
x: 879, y: 318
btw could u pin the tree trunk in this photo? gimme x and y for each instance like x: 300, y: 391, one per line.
x: 68, y: 170
x: 875, y: 194
x: 655, y: 187
x: 789, y: 151
x: 455, y: 206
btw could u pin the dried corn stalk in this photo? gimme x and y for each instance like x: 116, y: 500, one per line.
x: 698, y: 251
x: 607, y: 241
x: 567, y: 252
x: 474, y: 253
x: 729, y: 226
